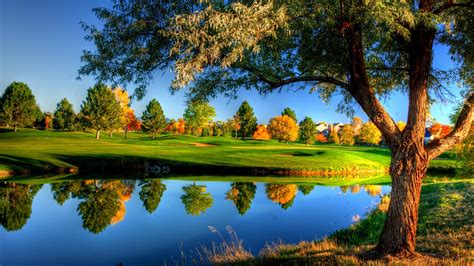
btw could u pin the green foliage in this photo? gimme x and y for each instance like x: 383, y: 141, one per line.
x: 308, y: 130
x: 15, y: 204
x: 98, y: 208
x: 198, y: 115
x: 247, y: 120
x: 242, y: 194
x: 18, y: 106
x: 100, y: 109
x: 290, y: 112
x: 151, y: 194
x: 153, y: 118
x: 196, y: 200
x: 64, y: 116
x: 305, y: 189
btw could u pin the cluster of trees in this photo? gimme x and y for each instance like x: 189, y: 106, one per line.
x: 102, y: 203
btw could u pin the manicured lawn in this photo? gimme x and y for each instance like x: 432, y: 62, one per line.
x: 34, y: 149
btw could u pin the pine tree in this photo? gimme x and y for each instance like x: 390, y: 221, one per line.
x: 308, y: 130
x: 64, y: 116
x: 18, y: 106
x: 247, y: 119
x: 289, y: 112
x: 153, y: 118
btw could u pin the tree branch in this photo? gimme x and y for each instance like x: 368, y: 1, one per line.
x: 460, y: 131
x: 449, y: 5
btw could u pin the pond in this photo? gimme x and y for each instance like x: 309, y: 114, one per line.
x: 150, y: 222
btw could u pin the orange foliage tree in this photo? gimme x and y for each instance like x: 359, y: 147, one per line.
x: 283, y: 128
x: 134, y: 124
x: 261, y: 133
x: 438, y: 130
x: 281, y: 193
x: 321, y: 138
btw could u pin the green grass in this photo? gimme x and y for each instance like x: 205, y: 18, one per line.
x: 34, y: 149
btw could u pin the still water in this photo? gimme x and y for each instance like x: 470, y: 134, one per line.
x: 150, y: 222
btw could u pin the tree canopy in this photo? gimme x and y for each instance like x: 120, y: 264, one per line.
x: 247, y: 120
x: 153, y: 118
x: 198, y: 115
x: 64, y: 116
x: 18, y: 105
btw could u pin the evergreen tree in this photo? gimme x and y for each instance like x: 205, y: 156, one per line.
x: 64, y: 116
x: 100, y: 109
x: 289, y: 112
x: 247, y: 119
x: 308, y: 130
x: 153, y: 118
x: 151, y: 194
x: 18, y: 106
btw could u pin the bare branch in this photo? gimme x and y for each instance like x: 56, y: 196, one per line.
x: 460, y: 131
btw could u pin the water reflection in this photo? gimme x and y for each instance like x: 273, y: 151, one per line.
x: 103, y: 202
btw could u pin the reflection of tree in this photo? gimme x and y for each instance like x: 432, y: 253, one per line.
x: 305, y: 189
x: 15, y: 204
x: 355, y: 189
x: 62, y: 191
x: 196, y: 200
x: 151, y: 194
x: 242, y: 194
x: 344, y: 189
x: 281, y: 194
x: 373, y: 190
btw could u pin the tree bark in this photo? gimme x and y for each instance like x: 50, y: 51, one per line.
x: 407, y: 169
x: 97, y: 134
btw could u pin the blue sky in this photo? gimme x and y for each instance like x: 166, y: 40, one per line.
x: 41, y: 43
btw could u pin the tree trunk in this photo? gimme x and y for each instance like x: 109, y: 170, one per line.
x: 407, y: 169
x: 15, y: 128
x: 97, y: 134
x: 126, y: 131
x: 110, y: 133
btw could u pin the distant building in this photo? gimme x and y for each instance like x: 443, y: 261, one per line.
x: 323, y: 128
x: 336, y: 127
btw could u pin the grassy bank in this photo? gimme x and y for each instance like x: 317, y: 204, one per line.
x: 445, y: 233
x: 41, y: 151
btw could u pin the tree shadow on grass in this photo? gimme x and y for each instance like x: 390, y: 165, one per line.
x: 17, y: 163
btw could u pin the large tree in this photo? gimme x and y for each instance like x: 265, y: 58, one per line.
x: 308, y: 130
x: 198, y: 115
x: 247, y: 119
x: 153, y: 118
x: 18, y: 106
x: 360, y: 49
x: 100, y: 109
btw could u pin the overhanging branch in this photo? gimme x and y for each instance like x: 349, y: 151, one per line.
x: 460, y: 131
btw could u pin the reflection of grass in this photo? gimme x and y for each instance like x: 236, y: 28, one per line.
x: 445, y: 234
x: 32, y: 149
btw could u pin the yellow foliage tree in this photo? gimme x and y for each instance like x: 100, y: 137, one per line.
x: 283, y: 128
x: 281, y: 193
x: 373, y: 190
x: 333, y: 137
x: 370, y: 134
x: 401, y: 125
x: 128, y: 114
x: 347, y: 135
x: 261, y: 133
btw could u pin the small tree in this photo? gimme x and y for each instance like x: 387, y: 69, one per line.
x: 308, y: 130
x: 283, y: 128
x: 261, y: 133
x: 320, y: 138
x: 18, y: 106
x: 198, y: 115
x: 100, y: 109
x: 234, y: 124
x: 247, y: 119
x: 370, y: 134
x: 333, y: 137
x: 347, y: 135
x: 123, y: 99
x: 64, y: 116
x: 153, y: 119
x: 290, y: 112
x: 439, y: 130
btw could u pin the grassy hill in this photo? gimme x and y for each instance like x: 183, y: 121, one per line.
x: 36, y: 150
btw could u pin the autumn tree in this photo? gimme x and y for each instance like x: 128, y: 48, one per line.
x: 401, y: 125
x: 64, y: 116
x: 100, y: 109
x: 127, y: 115
x: 196, y: 200
x: 134, y: 124
x: 362, y: 50
x: 242, y: 194
x: 321, y: 138
x: 153, y: 118
x: 347, y: 135
x: 290, y: 112
x: 308, y: 130
x: 234, y: 125
x: 333, y: 137
x: 283, y: 128
x: 198, y: 115
x: 247, y: 120
x: 370, y: 134
x: 439, y: 130
x: 356, y: 124
x: 261, y: 133
x: 18, y: 106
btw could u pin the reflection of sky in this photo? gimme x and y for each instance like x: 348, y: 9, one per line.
x: 54, y: 233
x: 42, y: 41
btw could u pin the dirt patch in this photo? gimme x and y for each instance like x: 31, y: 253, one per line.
x: 202, y: 144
